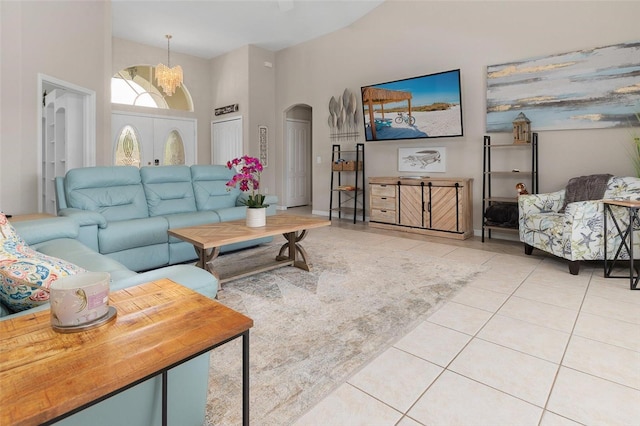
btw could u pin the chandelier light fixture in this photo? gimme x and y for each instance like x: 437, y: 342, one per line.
x: 168, y: 78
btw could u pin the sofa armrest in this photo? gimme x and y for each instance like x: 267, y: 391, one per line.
x: 540, y: 203
x: 583, y: 230
x: 40, y: 230
x: 84, y: 217
x: 196, y: 279
x: 271, y: 199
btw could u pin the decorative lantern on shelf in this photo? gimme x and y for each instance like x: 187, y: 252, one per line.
x: 521, y: 129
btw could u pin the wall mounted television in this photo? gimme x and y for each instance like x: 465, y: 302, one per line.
x: 429, y: 106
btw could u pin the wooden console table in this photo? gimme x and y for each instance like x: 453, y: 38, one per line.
x: 46, y: 376
x: 440, y: 207
x: 30, y: 216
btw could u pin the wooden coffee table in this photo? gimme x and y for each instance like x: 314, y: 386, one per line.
x: 207, y: 240
x: 46, y: 376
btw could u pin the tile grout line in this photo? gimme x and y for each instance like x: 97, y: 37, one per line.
x: 564, y: 353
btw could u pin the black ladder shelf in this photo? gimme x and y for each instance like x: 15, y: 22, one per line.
x: 352, y: 163
x: 489, y: 197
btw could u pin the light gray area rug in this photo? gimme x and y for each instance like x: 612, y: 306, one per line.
x: 313, y: 330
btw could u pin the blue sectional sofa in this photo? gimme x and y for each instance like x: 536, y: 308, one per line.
x: 125, y: 212
x: 115, y: 219
x: 141, y: 404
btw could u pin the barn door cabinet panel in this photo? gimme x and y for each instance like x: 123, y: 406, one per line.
x: 430, y: 206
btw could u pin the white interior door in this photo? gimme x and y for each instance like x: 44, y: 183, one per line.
x: 166, y: 129
x: 67, y: 131
x: 226, y: 140
x: 298, y: 153
x: 153, y: 133
x: 143, y: 129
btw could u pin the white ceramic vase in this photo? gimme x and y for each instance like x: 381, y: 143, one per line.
x: 256, y: 217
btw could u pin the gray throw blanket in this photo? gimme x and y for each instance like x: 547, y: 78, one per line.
x: 585, y: 188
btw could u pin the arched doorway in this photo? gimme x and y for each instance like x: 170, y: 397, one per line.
x: 297, y: 154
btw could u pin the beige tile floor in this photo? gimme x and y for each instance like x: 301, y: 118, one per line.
x: 525, y: 343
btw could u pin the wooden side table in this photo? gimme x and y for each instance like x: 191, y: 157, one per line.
x: 30, y: 216
x: 626, y: 237
x: 159, y: 325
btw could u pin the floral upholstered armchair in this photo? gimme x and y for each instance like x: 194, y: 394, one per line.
x: 575, y: 230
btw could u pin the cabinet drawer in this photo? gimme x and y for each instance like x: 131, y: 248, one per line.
x: 383, y: 203
x: 388, y: 216
x: 383, y: 190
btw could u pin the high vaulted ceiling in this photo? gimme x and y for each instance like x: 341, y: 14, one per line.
x: 209, y: 28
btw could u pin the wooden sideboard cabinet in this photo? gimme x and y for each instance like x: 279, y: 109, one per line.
x: 431, y: 206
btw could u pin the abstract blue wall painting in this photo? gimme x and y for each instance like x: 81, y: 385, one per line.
x: 585, y: 89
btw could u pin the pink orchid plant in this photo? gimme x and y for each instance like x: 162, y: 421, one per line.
x: 248, y: 178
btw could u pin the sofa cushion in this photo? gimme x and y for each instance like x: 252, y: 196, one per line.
x: 549, y: 222
x: 116, y: 192
x: 79, y: 254
x: 143, y: 258
x: 623, y: 188
x: 168, y: 189
x: 585, y: 188
x: 127, y: 234
x: 25, y: 274
x: 210, y: 187
x: 232, y: 213
x: 183, y: 220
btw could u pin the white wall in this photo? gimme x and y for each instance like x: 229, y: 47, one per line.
x: 65, y: 40
x: 262, y: 93
x: 241, y: 77
x: 230, y: 85
x: 402, y: 39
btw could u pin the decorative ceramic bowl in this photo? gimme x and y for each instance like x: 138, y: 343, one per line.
x: 79, y: 299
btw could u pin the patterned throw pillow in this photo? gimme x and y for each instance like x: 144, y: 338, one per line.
x: 25, y: 274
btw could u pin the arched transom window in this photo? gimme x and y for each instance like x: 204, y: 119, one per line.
x: 136, y: 86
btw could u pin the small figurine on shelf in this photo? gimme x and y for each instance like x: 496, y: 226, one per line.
x: 521, y: 188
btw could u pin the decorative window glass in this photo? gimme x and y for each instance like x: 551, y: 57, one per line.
x: 173, y: 149
x: 136, y: 86
x: 128, y: 148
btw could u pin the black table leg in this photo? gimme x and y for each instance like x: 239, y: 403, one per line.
x: 624, y: 234
x: 165, y: 379
x: 245, y: 378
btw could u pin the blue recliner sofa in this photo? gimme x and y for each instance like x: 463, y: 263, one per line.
x: 125, y: 212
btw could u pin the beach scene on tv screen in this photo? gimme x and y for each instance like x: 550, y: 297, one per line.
x: 420, y: 107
